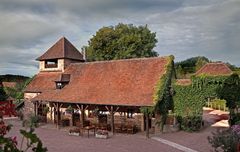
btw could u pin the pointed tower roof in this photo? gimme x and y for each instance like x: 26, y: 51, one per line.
x: 214, y: 69
x: 62, y: 49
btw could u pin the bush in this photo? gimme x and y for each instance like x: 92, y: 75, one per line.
x: 234, y: 118
x: 226, y: 140
x: 190, y: 123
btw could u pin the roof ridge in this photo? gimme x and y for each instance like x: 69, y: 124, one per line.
x: 121, y: 60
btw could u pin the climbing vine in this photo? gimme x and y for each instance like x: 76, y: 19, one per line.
x: 189, y: 100
x: 163, y: 97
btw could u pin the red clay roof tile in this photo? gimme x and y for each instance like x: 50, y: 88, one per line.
x: 121, y: 82
x: 42, y: 82
x: 214, y: 69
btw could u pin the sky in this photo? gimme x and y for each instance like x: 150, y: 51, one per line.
x: 184, y: 28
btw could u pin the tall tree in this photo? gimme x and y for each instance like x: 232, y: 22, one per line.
x: 122, y: 41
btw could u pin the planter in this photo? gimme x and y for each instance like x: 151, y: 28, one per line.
x: 74, y: 133
x: 102, y: 134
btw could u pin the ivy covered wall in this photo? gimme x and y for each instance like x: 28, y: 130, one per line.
x: 190, y: 99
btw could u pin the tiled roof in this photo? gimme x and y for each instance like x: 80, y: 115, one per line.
x: 64, y: 78
x: 42, y: 82
x: 183, y: 82
x: 121, y: 82
x: 61, y: 49
x: 214, y: 69
x: 9, y: 84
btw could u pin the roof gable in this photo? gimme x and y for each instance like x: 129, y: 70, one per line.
x: 61, y: 49
x: 214, y: 69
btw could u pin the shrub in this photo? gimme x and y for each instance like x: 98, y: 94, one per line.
x: 190, y: 123
x: 226, y: 140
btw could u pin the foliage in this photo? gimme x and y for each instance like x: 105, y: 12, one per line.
x: 3, y: 95
x: 13, y: 78
x: 18, y: 91
x: 218, y: 104
x: 121, y: 42
x: 230, y: 91
x: 9, y: 144
x: 190, y: 122
x: 147, y: 110
x: 189, y: 66
x: 188, y: 101
x: 226, y: 140
x: 32, y: 121
x: 163, y: 92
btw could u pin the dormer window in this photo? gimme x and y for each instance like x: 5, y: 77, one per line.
x: 51, y: 63
x: 62, y: 81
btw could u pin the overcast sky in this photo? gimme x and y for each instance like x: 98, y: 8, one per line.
x: 185, y: 28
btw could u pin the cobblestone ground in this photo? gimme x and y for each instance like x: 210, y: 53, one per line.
x: 59, y: 141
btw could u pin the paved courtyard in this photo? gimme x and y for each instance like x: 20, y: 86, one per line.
x: 59, y: 140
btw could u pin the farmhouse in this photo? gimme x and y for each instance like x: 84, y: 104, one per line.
x: 115, y: 91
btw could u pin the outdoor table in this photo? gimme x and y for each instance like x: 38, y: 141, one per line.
x: 88, y: 128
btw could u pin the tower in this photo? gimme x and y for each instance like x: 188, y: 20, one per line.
x: 59, y: 56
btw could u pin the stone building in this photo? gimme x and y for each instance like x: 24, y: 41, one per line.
x: 116, y: 89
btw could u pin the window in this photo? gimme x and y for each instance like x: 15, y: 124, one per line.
x: 51, y: 64
x: 59, y: 85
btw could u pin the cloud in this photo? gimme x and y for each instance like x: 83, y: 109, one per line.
x: 184, y: 28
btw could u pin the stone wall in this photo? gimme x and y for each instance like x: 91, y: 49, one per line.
x: 28, y: 105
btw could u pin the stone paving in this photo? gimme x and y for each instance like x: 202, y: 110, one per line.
x: 59, y: 140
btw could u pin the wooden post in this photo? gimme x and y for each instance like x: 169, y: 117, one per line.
x: 147, y: 125
x: 57, y: 115
x: 112, y: 120
x: 82, y: 109
x: 51, y: 113
x: 35, y: 109
x: 82, y: 116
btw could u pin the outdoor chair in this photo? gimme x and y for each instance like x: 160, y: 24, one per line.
x: 124, y: 129
x: 130, y: 128
x: 118, y: 128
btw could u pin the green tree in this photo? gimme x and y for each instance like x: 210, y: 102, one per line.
x: 122, y: 41
x: 3, y: 95
x: 200, y: 63
x: 230, y: 92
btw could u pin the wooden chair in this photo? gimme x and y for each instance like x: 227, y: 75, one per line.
x: 130, y: 128
x: 124, y: 129
x: 118, y: 128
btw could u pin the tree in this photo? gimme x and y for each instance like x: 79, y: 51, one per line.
x: 3, y: 95
x: 122, y: 41
x: 230, y: 92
